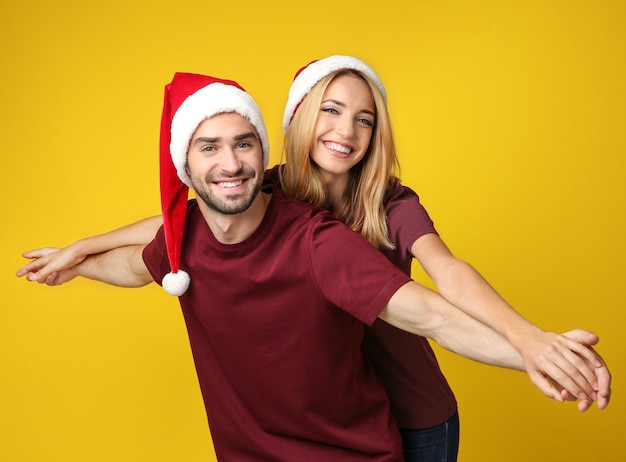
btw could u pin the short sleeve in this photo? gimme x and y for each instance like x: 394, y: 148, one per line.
x: 155, y: 257
x: 407, y: 218
x: 350, y: 272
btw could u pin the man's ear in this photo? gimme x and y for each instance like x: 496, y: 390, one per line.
x: 187, y: 168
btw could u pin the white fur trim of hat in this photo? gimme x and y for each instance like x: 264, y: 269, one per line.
x: 307, y: 78
x: 216, y: 98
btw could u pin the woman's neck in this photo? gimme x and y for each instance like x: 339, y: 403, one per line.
x: 336, y: 186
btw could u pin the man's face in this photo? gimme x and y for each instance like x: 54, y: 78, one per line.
x: 225, y: 163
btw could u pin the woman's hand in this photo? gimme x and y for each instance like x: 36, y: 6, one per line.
x: 50, y: 265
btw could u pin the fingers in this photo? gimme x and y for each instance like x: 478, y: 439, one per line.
x: 565, y: 395
x: 584, y: 404
x: 571, y: 385
x: 603, y: 376
x: 31, y: 268
x: 567, y: 383
x: 583, y: 361
x: 36, y: 269
x: 582, y: 336
x: 548, y: 386
x: 571, y: 371
x: 38, y: 253
x: 603, y: 400
x: 583, y: 350
x: 574, y: 370
x: 50, y: 280
x: 543, y: 383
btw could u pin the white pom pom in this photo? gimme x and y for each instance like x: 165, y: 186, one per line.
x: 176, y: 283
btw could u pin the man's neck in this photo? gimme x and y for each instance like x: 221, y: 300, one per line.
x: 231, y: 229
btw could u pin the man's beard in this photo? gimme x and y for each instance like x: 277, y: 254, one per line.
x: 230, y: 204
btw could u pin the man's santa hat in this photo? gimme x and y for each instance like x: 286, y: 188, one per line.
x: 308, y: 76
x: 189, y: 100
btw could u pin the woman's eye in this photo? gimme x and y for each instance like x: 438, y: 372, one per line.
x: 329, y: 110
x: 365, y: 121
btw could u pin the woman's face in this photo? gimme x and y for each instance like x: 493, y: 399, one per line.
x: 344, y: 125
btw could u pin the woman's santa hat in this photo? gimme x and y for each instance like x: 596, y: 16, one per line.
x: 189, y: 100
x: 308, y: 76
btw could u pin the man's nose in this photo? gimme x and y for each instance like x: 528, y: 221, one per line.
x: 231, y: 161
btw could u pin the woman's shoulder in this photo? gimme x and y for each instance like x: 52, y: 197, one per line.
x: 272, y: 174
x: 398, y: 191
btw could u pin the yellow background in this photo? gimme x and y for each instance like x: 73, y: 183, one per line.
x: 510, y: 119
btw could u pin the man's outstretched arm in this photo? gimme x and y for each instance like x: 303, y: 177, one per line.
x: 123, y: 267
x: 569, y: 363
x: 48, y: 262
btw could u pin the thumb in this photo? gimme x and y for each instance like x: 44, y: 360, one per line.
x: 582, y: 336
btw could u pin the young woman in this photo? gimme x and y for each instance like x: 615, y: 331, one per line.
x: 340, y: 155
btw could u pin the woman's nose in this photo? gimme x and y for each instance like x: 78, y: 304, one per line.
x: 345, y: 127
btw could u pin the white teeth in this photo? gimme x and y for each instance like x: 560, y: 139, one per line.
x: 229, y: 184
x: 338, y: 147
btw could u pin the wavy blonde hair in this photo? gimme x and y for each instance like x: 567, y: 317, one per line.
x: 363, y: 204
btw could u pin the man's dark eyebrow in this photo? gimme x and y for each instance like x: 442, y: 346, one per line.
x: 217, y: 139
x: 244, y: 136
x: 204, y: 139
x: 339, y: 103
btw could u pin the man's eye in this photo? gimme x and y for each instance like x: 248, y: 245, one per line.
x: 207, y: 149
x: 243, y: 145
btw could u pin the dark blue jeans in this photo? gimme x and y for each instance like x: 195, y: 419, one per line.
x: 437, y: 444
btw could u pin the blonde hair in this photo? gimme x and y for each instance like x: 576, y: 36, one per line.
x: 363, y: 203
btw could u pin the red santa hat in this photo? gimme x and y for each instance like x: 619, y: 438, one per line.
x: 189, y: 100
x: 308, y: 76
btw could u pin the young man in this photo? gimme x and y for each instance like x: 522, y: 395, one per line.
x: 275, y: 295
